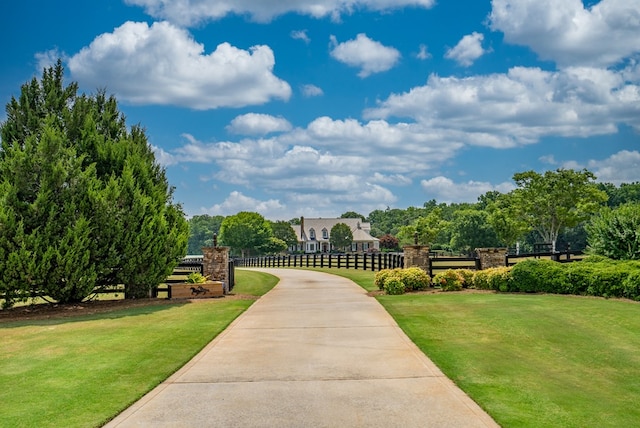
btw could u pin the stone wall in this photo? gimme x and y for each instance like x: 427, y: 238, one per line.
x: 491, y: 257
x: 416, y: 256
x: 216, y: 264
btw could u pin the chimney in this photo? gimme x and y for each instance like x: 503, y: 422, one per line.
x: 302, y: 234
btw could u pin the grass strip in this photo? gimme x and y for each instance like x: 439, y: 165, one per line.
x: 529, y: 360
x: 82, y: 371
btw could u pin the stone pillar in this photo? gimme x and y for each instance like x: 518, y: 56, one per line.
x: 417, y: 256
x: 215, y: 264
x: 491, y: 257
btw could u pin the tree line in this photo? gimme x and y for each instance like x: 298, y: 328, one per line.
x: 558, y: 208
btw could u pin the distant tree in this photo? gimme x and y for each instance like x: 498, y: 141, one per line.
x: 503, y: 217
x: 627, y: 192
x: 245, y: 232
x: 273, y: 246
x: 283, y: 231
x: 470, y: 229
x: 427, y: 227
x: 615, y: 232
x: 201, y: 231
x: 558, y: 199
x: 389, y: 242
x: 353, y: 214
x: 341, y: 236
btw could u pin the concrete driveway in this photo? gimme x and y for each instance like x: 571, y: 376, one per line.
x: 315, y: 351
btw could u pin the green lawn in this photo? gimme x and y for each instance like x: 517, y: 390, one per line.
x: 82, y: 371
x: 530, y: 360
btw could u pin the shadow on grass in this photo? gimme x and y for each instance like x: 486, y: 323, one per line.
x: 63, y: 314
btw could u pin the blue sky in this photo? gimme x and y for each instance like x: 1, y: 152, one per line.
x: 315, y: 108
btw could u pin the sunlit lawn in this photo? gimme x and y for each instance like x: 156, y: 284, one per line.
x: 530, y: 360
x: 82, y: 371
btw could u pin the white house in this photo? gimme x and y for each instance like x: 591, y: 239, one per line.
x: 314, y: 235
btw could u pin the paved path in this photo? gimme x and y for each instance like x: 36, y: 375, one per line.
x: 315, y: 351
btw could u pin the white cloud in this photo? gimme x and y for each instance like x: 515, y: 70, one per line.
x: 311, y: 91
x: 300, y: 35
x: 258, y: 124
x: 237, y: 202
x: 621, y: 167
x: 444, y: 189
x: 48, y: 59
x: 423, y: 53
x: 192, y: 12
x: 520, y: 107
x: 163, y: 64
x: 568, y: 33
x: 368, y: 55
x: 468, y: 49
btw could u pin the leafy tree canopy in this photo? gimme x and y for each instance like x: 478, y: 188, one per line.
x: 201, y: 231
x: 284, y: 232
x: 341, y: 236
x: 245, y: 232
x: 554, y: 200
x: 615, y: 232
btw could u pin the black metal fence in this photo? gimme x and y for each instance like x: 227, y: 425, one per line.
x: 373, y: 262
x: 379, y: 261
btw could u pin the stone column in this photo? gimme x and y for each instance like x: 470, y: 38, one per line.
x: 417, y: 256
x: 491, y: 257
x: 216, y: 264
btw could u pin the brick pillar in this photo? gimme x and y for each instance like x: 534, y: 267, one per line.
x: 417, y: 256
x: 491, y: 257
x: 216, y: 264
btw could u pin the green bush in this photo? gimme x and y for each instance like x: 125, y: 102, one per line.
x: 196, y: 278
x: 467, y: 277
x: 449, y: 280
x: 393, y: 285
x: 615, y: 233
x: 480, y: 280
x: 381, y: 276
x: 540, y: 276
x: 414, y: 279
x: 498, y: 278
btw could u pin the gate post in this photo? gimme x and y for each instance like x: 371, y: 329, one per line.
x: 417, y: 256
x: 215, y: 264
x: 491, y: 257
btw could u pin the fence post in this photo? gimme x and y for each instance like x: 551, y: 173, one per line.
x: 364, y: 262
x: 339, y: 260
x: 329, y: 260
x: 355, y: 262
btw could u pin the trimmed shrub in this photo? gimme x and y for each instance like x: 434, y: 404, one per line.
x: 414, y: 279
x: 481, y: 280
x: 498, y: 279
x: 540, y: 276
x: 467, y: 277
x: 381, y: 276
x: 449, y: 280
x: 393, y: 285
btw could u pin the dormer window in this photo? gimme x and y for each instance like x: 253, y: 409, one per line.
x: 312, y: 234
x: 325, y: 234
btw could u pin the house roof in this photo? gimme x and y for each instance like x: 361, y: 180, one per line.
x: 360, y: 230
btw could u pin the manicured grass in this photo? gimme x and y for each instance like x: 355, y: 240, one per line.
x: 530, y: 360
x: 82, y: 371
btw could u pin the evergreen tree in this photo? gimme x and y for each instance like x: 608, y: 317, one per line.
x: 84, y: 203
